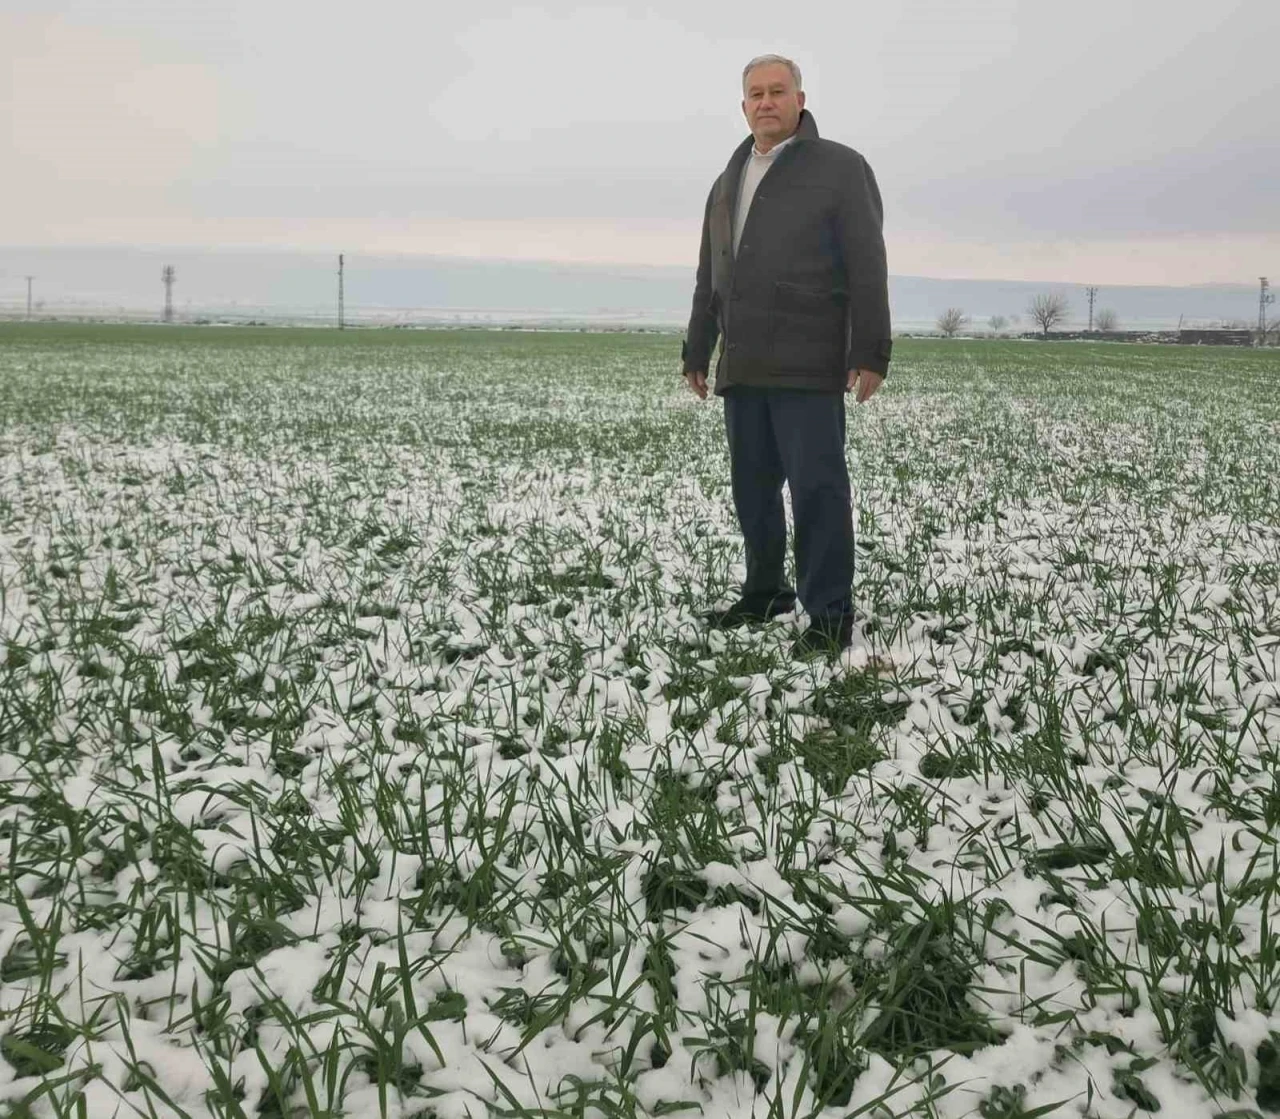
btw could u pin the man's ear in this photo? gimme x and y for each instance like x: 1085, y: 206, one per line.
x: 744, y: 113
x: 800, y: 100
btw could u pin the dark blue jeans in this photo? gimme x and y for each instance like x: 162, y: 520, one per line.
x: 796, y: 436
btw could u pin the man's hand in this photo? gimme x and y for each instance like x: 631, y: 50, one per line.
x: 863, y: 383
x: 697, y: 383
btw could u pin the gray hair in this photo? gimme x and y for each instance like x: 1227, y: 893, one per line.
x: 767, y: 59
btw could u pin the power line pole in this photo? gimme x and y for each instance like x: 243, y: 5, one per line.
x: 1093, y: 294
x: 29, y: 279
x: 168, y: 276
x: 341, y: 323
x: 1265, y: 299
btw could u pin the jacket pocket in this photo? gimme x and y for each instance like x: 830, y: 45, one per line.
x: 807, y: 328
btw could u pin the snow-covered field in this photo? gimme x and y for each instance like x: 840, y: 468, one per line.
x: 361, y: 753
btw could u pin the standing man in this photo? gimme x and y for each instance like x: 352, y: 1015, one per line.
x: 792, y: 280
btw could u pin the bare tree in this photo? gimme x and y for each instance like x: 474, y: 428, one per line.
x: 997, y: 323
x: 1107, y: 320
x: 1047, y: 311
x: 952, y: 321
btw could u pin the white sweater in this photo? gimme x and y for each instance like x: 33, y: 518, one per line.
x: 752, y: 172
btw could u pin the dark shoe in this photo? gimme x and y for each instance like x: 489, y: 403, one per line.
x: 750, y: 609
x: 826, y: 637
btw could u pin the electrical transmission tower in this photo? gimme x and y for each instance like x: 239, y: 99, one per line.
x: 341, y: 323
x: 1265, y: 299
x: 168, y: 276
x: 29, y: 279
x: 1092, y: 293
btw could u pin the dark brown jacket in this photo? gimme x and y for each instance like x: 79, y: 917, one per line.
x: 807, y: 298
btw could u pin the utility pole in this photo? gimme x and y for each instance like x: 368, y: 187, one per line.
x: 1092, y: 294
x: 29, y: 279
x: 1265, y: 299
x: 168, y: 277
x: 341, y: 324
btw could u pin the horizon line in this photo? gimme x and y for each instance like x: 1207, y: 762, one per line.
x: 572, y: 265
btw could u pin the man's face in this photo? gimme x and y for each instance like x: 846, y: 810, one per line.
x: 771, y: 103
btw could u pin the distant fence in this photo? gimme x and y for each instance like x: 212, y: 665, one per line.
x: 1168, y: 337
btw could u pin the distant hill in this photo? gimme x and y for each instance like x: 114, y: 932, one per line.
x: 297, y: 286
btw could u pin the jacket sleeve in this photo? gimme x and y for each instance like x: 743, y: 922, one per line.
x: 704, y: 326
x: 862, y: 243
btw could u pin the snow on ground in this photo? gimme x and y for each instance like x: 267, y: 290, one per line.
x: 364, y: 754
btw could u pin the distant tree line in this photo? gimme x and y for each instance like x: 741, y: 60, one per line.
x: 1047, y: 311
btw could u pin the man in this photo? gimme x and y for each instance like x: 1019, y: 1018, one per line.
x: 792, y: 281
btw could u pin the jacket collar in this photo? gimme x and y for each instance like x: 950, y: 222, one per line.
x: 807, y: 129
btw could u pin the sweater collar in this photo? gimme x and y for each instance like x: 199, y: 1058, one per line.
x: 781, y: 145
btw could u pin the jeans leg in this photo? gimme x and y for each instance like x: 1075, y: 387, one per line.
x: 756, y: 474
x: 810, y: 426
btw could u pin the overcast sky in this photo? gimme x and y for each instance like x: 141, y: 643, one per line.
x: 1121, y: 141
